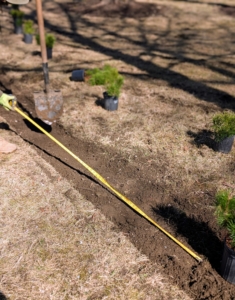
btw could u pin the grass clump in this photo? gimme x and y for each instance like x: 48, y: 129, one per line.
x: 225, y: 213
x: 224, y: 125
x: 107, y: 76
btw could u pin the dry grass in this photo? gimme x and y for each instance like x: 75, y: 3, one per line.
x: 56, y: 245
x: 159, y: 115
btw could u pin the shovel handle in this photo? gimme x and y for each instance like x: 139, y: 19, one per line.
x: 46, y: 76
x: 41, y: 31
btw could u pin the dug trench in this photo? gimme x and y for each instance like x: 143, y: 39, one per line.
x: 134, y: 178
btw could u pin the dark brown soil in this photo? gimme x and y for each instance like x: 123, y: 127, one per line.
x: 192, y: 224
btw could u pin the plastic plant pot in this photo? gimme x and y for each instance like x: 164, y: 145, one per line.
x: 110, y: 102
x: 28, y: 38
x: 78, y: 75
x: 225, y: 146
x: 49, y: 53
x: 228, y: 264
x: 18, y: 29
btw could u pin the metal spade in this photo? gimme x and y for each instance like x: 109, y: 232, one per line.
x: 48, y: 103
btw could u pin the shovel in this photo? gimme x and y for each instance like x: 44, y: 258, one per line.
x: 48, y: 103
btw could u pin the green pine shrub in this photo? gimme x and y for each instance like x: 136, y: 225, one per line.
x: 108, y: 77
x: 224, y: 125
x: 16, y: 13
x: 225, y: 213
x: 49, y: 38
x: 18, y: 16
x: 28, y: 27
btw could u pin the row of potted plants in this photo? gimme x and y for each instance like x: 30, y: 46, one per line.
x: 26, y: 27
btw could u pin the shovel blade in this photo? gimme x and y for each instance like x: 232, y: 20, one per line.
x: 48, y: 105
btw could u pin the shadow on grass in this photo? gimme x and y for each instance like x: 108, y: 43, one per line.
x: 206, y: 2
x: 175, y: 79
x: 203, y: 137
x: 199, y: 235
x: 100, y: 102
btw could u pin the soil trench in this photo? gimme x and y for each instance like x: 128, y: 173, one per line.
x: 199, y: 280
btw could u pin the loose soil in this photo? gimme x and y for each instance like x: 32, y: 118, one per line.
x: 157, y: 149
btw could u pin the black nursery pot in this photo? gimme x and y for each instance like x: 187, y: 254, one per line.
x: 49, y: 53
x: 78, y: 75
x: 18, y: 29
x: 110, y: 102
x: 228, y: 264
x: 28, y: 38
x: 225, y: 145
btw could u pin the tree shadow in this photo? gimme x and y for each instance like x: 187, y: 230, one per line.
x: 205, y: 2
x: 199, y: 235
x: 203, y: 137
x: 175, y: 79
x: 177, y: 52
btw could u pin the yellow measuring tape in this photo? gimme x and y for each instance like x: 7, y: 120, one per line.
x: 98, y: 176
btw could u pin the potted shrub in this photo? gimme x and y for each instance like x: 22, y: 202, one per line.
x: 50, y: 41
x: 224, y: 129
x: 18, y: 17
x: 112, y: 81
x: 225, y: 214
x: 28, y: 31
